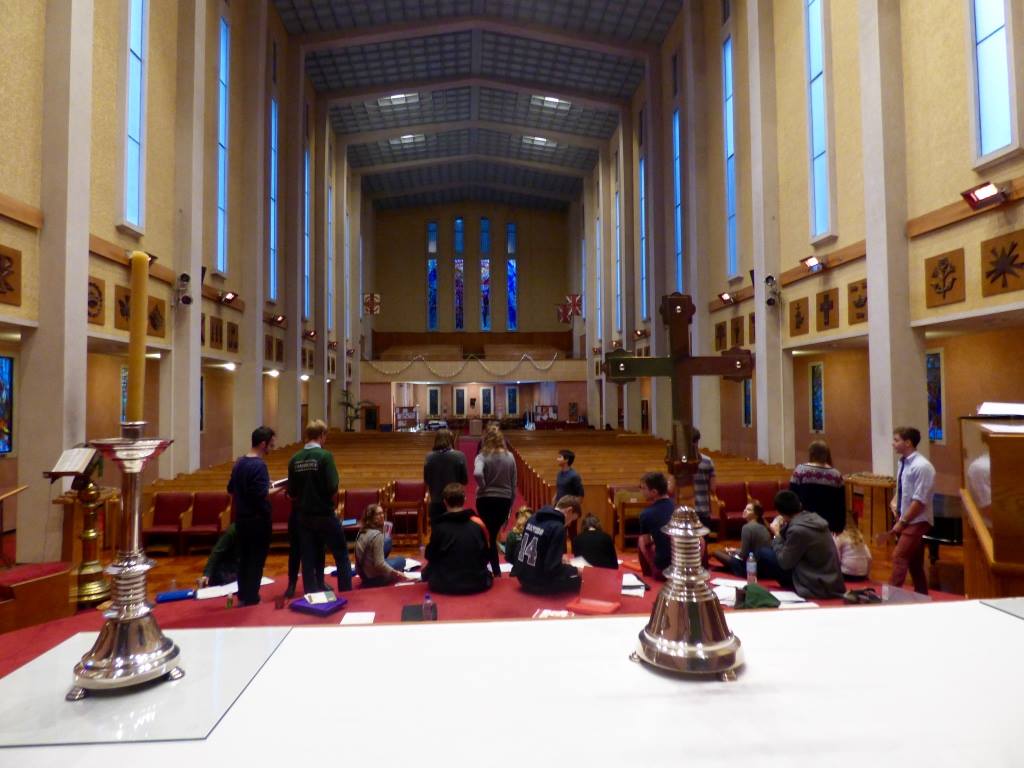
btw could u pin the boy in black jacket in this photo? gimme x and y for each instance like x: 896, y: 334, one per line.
x: 539, y: 565
x: 458, y: 550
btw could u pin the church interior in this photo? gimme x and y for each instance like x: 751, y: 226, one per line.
x: 405, y: 216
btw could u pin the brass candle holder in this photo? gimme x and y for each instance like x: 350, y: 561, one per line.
x: 131, y: 648
x: 687, y: 633
x: 89, y: 585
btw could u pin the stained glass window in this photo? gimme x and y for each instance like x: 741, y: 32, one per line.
x: 486, y: 401
x: 732, y: 257
x: 434, y: 401
x: 460, y: 290
x: 134, y: 162
x: 512, y: 401
x: 485, y: 294
x: 307, y: 263
x: 677, y: 198
x: 748, y: 403
x: 431, y: 294
x: 460, y: 401
x: 272, y: 212
x: 224, y: 70
x: 618, y: 262
x: 817, y: 397
x: 512, y: 292
x: 511, y: 239
x: 644, y: 313
x: 431, y: 237
x: 933, y: 372
x: 485, y: 236
x: 460, y: 235
x: 599, y: 280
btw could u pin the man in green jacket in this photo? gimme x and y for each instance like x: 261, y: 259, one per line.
x: 313, y: 485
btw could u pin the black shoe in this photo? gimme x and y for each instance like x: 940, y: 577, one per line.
x: 290, y: 590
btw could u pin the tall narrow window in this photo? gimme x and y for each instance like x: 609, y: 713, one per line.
x: 485, y: 294
x: 511, y: 277
x: 460, y: 293
x: 330, y: 252
x: 936, y: 420
x: 223, y: 78
x: 644, y: 311
x: 135, y: 117
x: 618, y: 264
x: 728, y: 131
x: 817, y: 110
x: 432, y: 294
x: 677, y: 199
x: 362, y: 275
x: 460, y: 236
x: 817, y: 380
x: 485, y: 236
x: 347, y: 245
x: 512, y: 401
x: 272, y: 213
x: 583, y: 276
x: 433, y: 401
x: 994, y: 107
x: 598, y: 280
x: 307, y: 284
x: 431, y: 237
x: 748, y: 403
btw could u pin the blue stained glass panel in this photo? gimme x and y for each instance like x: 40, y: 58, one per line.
x: 933, y: 374
x: 817, y: 397
x: 677, y: 199
x: 748, y: 403
x: 431, y: 237
x: 485, y: 294
x: 511, y: 239
x: 512, y: 401
x: 460, y: 235
x: 431, y: 294
x: 485, y: 236
x: 512, y: 288
x: 460, y: 291
x: 644, y: 314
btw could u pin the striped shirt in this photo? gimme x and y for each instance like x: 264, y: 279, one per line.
x: 702, y: 486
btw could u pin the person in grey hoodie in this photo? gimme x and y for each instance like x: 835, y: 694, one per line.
x: 495, y: 473
x: 803, y: 553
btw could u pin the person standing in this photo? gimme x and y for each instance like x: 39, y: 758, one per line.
x: 912, y: 507
x: 249, y: 487
x: 444, y: 465
x: 820, y: 486
x: 568, y: 482
x: 495, y: 473
x: 703, y: 485
x: 312, y: 485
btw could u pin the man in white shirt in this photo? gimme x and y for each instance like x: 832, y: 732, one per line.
x: 912, y: 507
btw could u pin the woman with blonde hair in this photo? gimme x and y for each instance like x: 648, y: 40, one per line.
x: 515, y: 536
x: 495, y: 473
x: 374, y: 569
x: 854, y: 554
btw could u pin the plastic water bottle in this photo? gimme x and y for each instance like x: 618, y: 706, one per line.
x: 429, y: 608
x: 751, y: 569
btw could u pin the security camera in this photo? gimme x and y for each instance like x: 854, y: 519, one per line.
x: 182, y: 293
x: 769, y: 280
x: 770, y: 301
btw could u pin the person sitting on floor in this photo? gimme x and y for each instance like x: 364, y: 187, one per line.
x: 515, y: 536
x: 754, y: 535
x: 375, y: 569
x: 458, y: 552
x: 539, y: 564
x: 222, y: 565
x: 803, y: 554
x: 594, y: 545
x: 854, y: 554
x: 656, y: 515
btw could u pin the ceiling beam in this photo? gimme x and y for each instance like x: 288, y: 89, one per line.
x: 374, y: 92
x: 441, y: 187
x: 564, y: 170
x: 384, y: 134
x: 389, y: 33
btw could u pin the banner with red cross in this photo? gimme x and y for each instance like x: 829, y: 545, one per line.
x: 564, y: 313
x: 575, y: 303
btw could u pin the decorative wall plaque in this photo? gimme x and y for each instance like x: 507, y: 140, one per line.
x: 268, y: 347
x: 750, y: 329
x: 721, y: 336
x: 279, y: 350
x: 216, y: 333
x: 944, y: 279
x: 1002, y: 264
x: 857, y: 302
x: 736, y: 331
x: 827, y: 312
x: 10, y: 276
x: 156, y: 317
x: 232, y: 337
x: 122, y: 307
x: 798, y: 317
x: 96, y: 301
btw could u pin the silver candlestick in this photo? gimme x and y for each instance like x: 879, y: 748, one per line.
x: 687, y: 632
x: 131, y: 649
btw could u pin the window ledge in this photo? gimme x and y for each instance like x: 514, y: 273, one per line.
x: 821, y: 240
x: 733, y: 279
x: 130, y: 229
x: 993, y: 159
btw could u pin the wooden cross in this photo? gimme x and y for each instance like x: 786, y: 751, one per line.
x: 826, y: 308
x: 677, y: 313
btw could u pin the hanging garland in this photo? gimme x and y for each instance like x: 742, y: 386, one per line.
x: 384, y: 370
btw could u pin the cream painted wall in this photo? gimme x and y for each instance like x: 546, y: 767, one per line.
x: 400, y: 266
x: 21, y: 119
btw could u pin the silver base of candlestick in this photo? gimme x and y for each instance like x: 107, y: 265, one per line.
x: 687, y: 633
x: 131, y: 648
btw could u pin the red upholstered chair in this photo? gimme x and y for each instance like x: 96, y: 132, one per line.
x: 280, y: 511
x: 164, y: 518
x: 732, y: 500
x: 764, y: 491
x: 208, y: 519
x: 353, y: 502
x: 406, y: 507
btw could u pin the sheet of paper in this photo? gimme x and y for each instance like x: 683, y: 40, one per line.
x: 411, y: 564
x: 631, y: 580
x: 551, y: 613
x: 330, y: 570
x: 725, y: 595
x: 413, y: 578
x: 404, y: 583
x: 579, y: 562
x: 358, y: 617
x: 206, y: 593
x: 784, y: 596
x: 723, y: 582
x: 505, y: 567
x: 804, y: 604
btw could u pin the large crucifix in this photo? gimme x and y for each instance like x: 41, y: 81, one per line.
x: 620, y: 367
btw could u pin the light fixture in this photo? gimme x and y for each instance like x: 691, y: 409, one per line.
x: 328, y: 381
x: 397, y: 99
x: 407, y: 140
x: 229, y: 366
x: 310, y: 334
x: 596, y: 349
x: 304, y: 377
x: 226, y: 297
x: 539, y: 141
x: 984, y: 195
x: 642, y: 333
x: 153, y: 355
x: 814, y: 263
x: 278, y: 320
x: 726, y: 298
x: 332, y: 345
x: 272, y: 373
x: 550, y: 102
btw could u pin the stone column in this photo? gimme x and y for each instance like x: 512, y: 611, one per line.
x: 773, y: 383
x: 53, y: 358
x: 896, y: 352
x: 180, y: 371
